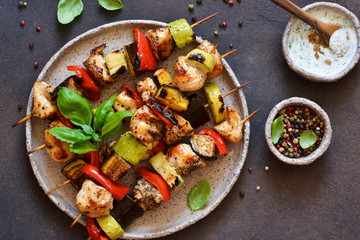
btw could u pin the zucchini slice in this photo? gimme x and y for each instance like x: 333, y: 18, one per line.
x: 166, y: 171
x: 173, y: 98
x: 163, y: 77
x: 110, y: 226
x: 72, y: 171
x: 116, y: 63
x: 129, y: 149
x: 216, y: 102
x: 181, y: 32
x: 202, y: 60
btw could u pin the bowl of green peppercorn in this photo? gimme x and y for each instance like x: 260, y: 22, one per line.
x: 298, y: 131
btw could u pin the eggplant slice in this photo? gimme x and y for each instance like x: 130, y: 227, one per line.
x: 204, y: 146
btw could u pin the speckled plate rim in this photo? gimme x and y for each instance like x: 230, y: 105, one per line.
x: 236, y: 171
x: 324, y: 143
x: 311, y: 76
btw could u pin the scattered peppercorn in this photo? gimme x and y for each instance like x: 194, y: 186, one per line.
x: 226, y: 1
x: 224, y: 24
x: 231, y: 2
x: 31, y: 45
x: 38, y: 29
x: 240, y: 23
x: 25, y: 4
x: 257, y: 188
x: 231, y: 46
x: 241, y: 194
x: 19, y: 107
x: 216, y: 33
x: 250, y: 169
x: 239, y: 1
x: 193, y: 19
x: 220, y: 24
x: 22, y: 23
x: 21, y: 4
x: 267, y: 168
x: 36, y: 64
x: 199, y: 1
x: 191, y: 7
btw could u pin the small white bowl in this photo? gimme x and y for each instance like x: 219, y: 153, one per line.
x: 312, y: 76
x: 325, y: 142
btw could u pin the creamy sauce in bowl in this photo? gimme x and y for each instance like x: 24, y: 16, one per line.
x: 307, y: 54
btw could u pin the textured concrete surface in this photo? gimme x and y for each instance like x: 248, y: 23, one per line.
x: 318, y: 201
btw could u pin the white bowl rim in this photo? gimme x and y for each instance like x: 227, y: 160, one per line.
x: 324, y: 143
x: 313, y: 77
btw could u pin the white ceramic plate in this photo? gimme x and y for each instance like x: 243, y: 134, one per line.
x: 171, y: 216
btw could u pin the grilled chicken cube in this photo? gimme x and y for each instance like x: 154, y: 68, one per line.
x: 175, y: 133
x: 146, y: 195
x: 44, y: 107
x: 231, y: 128
x: 93, y: 200
x: 187, y: 77
x: 183, y: 158
x: 161, y: 42
x: 146, y: 127
x: 96, y: 66
x: 124, y: 102
x: 208, y: 47
x: 147, y: 88
x: 58, y: 150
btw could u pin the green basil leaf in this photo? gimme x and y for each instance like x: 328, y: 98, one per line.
x: 68, y: 10
x: 102, y: 111
x: 199, y: 195
x: 111, y: 4
x: 88, y: 129
x: 277, y: 129
x: 113, y: 122
x: 96, y: 137
x: 83, y: 147
x: 69, y: 135
x: 74, y: 107
x: 307, y: 139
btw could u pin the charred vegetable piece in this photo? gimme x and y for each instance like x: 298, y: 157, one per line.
x: 196, y: 113
x: 72, y: 171
x: 115, y: 167
x: 71, y: 82
x: 181, y: 32
x: 164, y: 114
x: 161, y: 42
x: 116, y: 63
x: 201, y: 60
x: 132, y: 58
x: 110, y: 226
x: 163, y: 77
x: 166, y: 171
x: 129, y: 149
x: 204, y: 146
x: 146, y: 55
x: 126, y: 211
x: 216, y: 102
x: 96, y: 66
x: 173, y: 98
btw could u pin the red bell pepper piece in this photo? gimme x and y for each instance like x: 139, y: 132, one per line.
x: 146, y: 55
x: 90, y: 89
x: 219, y: 141
x: 94, y: 158
x: 161, y: 114
x: 64, y: 120
x: 160, y: 147
x: 158, y: 181
x: 132, y: 93
x: 117, y: 190
x: 93, y: 230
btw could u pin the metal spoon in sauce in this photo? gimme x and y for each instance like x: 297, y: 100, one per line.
x: 325, y: 29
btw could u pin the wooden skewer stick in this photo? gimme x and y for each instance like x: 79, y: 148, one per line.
x: 203, y: 20
x: 248, y: 117
x: 214, y: 48
x: 231, y: 91
x: 36, y: 149
x: 76, y: 220
x: 228, y: 53
x: 58, y: 186
x: 22, y: 120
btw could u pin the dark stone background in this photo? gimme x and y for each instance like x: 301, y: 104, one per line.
x: 319, y: 201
